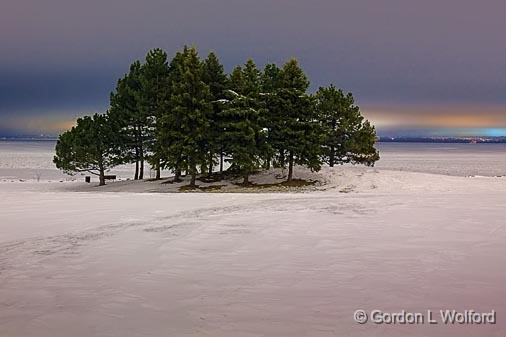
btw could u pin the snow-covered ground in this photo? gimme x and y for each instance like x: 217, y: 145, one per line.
x: 254, y: 264
x: 33, y: 161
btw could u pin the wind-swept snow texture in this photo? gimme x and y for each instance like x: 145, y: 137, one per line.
x: 125, y: 264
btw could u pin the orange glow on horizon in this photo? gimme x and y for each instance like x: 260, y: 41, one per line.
x: 41, y: 125
x: 382, y: 116
x: 456, y: 116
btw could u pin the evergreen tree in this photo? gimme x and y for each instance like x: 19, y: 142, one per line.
x: 214, y: 76
x: 295, y: 130
x: 234, y: 89
x: 348, y: 138
x: 251, y: 80
x: 90, y: 146
x: 236, y: 81
x: 153, y: 100
x: 270, y: 80
x: 130, y: 121
x: 180, y: 115
x: 190, y: 105
x: 171, y: 131
x: 243, y: 132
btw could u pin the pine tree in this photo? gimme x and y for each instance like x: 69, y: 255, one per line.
x: 90, y: 146
x: 153, y: 99
x: 236, y: 81
x: 243, y: 132
x: 234, y: 89
x: 270, y: 81
x: 130, y: 121
x: 179, y: 116
x: 295, y: 131
x: 270, y: 78
x: 348, y: 138
x: 190, y: 105
x: 252, y: 79
x: 214, y: 76
x: 170, y: 130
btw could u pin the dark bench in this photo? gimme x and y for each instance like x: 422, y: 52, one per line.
x: 107, y: 177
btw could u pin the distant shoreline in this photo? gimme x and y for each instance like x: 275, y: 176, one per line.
x: 444, y: 140
x: 439, y: 140
x: 27, y: 139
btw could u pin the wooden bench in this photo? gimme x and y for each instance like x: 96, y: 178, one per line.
x: 107, y: 177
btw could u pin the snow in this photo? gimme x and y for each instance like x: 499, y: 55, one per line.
x: 233, y: 92
x: 30, y: 161
x: 252, y: 264
x: 448, y: 159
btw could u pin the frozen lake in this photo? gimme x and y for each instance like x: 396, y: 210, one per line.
x: 30, y: 160
x: 450, y: 159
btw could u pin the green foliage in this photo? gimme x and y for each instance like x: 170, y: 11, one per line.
x: 236, y: 82
x: 90, y: 146
x: 170, y: 130
x: 294, y: 131
x: 251, y: 80
x: 347, y: 137
x: 153, y: 99
x: 213, y: 74
x: 131, y: 122
x: 270, y: 78
x: 292, y: 77
x: 183, y: 114
x: 187, y: 122
x: 243, y: 133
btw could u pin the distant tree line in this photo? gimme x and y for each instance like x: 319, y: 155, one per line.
x: 188, y: 116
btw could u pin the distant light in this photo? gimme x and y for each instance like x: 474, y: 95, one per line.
x: 495, y: 132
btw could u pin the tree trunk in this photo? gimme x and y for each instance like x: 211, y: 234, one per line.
x: 193, y: 178
x: 290, y: 167
x: 282, y: 158
x: 177, y: 170
x: 158, y: 171
x: 246, y: 179
x: 102, y: 177
x: 193, y: 172
x: 140, y: 155
x: 136, y: 176
x: 221, y: 162
x: 141, y: 169
x: 210, y: 172
x: 177, y: 175
x: 267, y: 165
x: 332, y: 148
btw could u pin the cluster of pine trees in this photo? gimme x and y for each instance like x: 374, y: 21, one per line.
x: 188, y: 116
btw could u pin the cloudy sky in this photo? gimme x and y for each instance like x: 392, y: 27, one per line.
x: 432, y: 67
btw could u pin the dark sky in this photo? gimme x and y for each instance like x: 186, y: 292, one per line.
x: 435, y: 65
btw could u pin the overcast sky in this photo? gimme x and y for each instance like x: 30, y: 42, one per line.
x: 410, y: 64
